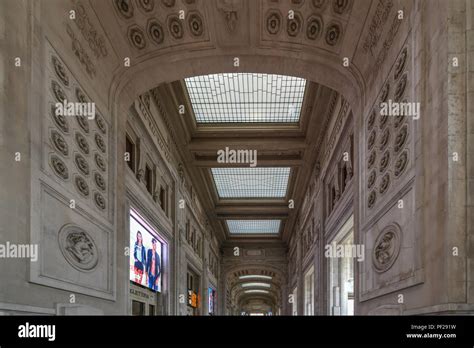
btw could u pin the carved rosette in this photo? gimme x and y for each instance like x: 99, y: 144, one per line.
x: 137, y: 37
x: 125, y: 8
x: 293, y: 26
x: 175, y: 27
x: 155, y: 31
x: 78, y: 248
x: 58, y: 91
x: 333, y: 33
x: 195, y: 24
x: 59, y: 167
x: 314, y: 27
x: 60, y: 71
x: 146, y: 5
x: 82, y: 143
x: 273, y: 22
x: 59, y: 120
x: 386, y: 248
x: 59, y: 143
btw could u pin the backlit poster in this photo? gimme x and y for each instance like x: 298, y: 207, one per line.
x: 145, y: 254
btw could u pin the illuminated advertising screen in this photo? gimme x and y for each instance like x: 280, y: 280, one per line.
x: 145, y: 254
x: 212, y: 300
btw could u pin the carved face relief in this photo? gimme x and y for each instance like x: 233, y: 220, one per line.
x: 386, y: 248
x: 78, y: 248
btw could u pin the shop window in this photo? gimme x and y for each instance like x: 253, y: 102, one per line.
x: 138, y: 308
x: 309, y: 292
x: 341, y: 275
x: 149, y: 179
x: 130, y: 150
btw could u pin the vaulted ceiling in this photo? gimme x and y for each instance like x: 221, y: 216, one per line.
x: 281, y: 121
x: 319, y: 34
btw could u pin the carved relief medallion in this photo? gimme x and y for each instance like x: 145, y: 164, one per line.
x: 78, y: 248
x: 386, y: 248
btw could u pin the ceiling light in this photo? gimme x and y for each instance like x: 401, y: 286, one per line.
x: 255, y: 291
x: 255, y: 276
x: 257, y: 285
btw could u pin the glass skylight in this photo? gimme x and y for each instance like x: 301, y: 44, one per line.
x: 252, y: 291
x: 255, y: 276
x: 253, y: 226
x: 256, y: 285
x: 246, y: 97
x: 251, y: 182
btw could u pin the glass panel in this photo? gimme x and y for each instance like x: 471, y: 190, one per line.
x: 251, y: 182
x: 253, y: 226
x: 246, y: 97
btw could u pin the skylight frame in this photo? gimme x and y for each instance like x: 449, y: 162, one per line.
x: 253, y: 227
x: 246, y: 98
x: 251, y: 183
